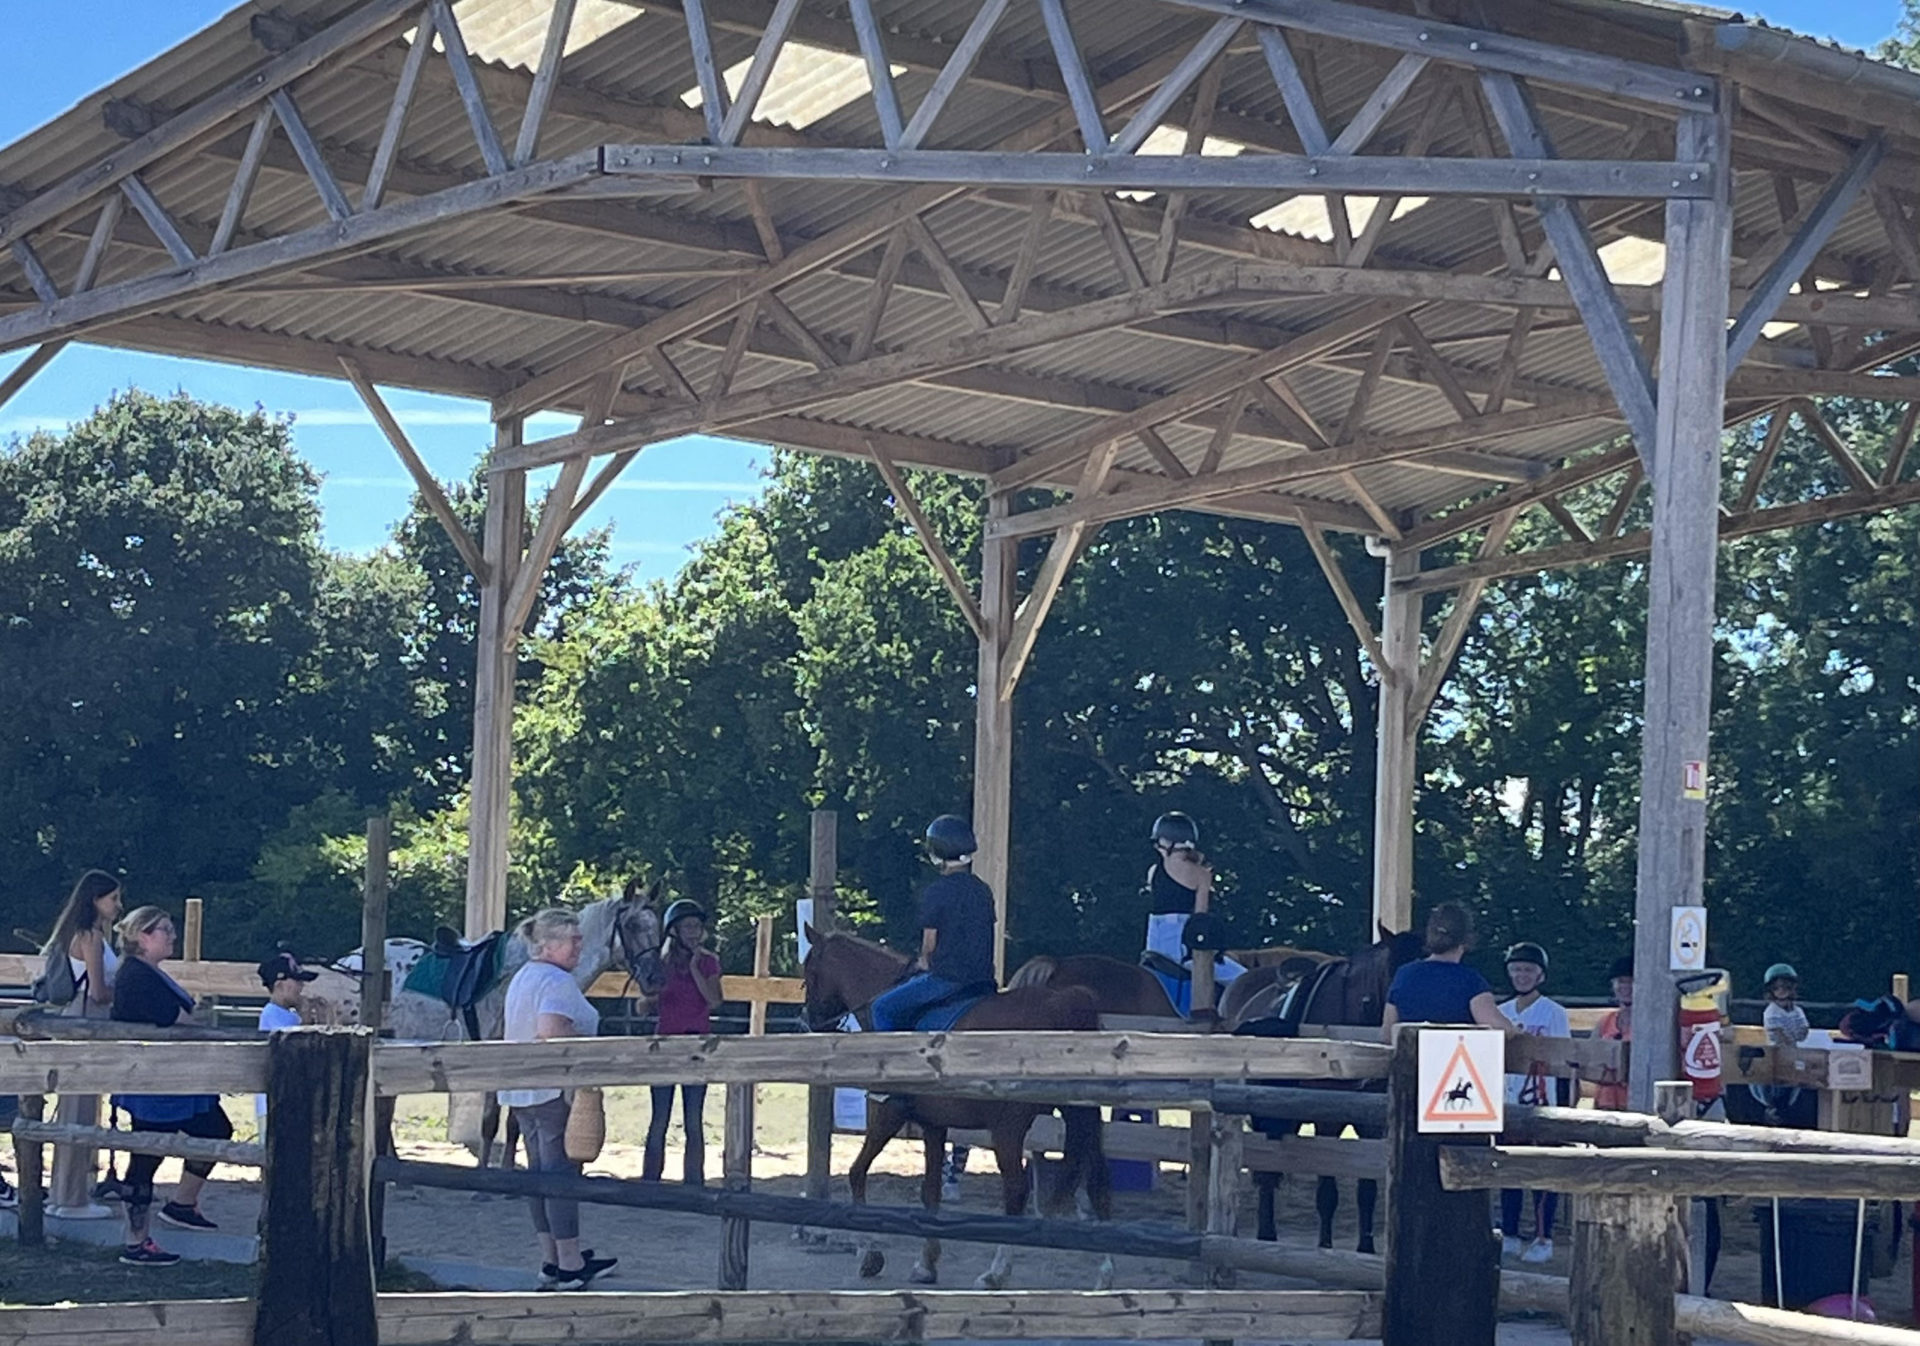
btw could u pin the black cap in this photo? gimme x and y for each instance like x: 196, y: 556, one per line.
x: 1622, y: 967
x: 283, y: 964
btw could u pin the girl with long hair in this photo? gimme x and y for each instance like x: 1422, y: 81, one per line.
x: 85, y: 931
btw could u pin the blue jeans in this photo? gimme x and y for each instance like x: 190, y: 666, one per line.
x: 897, y: 1009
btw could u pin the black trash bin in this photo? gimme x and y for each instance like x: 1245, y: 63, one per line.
x: 1816, y: 1249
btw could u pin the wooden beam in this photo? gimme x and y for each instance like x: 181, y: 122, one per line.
x: 1206, y: 101
x: 546, y: 79
x: 936, y: 256
x: 561, y: 508
x: 387, y: 152
x: 1614, y: 343
x: 952, y: 74
x: 23, y: 373
x: 335, y: 200
x: 1791, y: 265
x: 1857, y: 476
x: 909, y: 505
x: 245, y: 174
x: 1379, y: 105
x: 760, y: 70
x: 873, y: 49
x: 430, y: 492
x: 158, y: 220
x: 471, y: 95
x: 1453, y: 632
x: 1349, y: 603
x: 1072, y: 65
x: 1896, y: 451
x: 1677, y: 1173
x: 1199, y: 58
x: 1027, y: 260
x: 1061, y: 554
x: 365, y: 24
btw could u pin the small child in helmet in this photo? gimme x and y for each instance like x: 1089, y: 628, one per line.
x: 1785, y: 1021
x: 1535, y: 1015
x: 956, y: 932
x: 686, y: 1005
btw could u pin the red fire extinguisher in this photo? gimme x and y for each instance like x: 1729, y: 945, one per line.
x: 1701, y: 1015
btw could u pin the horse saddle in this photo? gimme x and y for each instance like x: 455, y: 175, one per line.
x: 940, y: 1015
x: 459, y: 973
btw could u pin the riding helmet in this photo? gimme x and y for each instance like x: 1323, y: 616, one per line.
x: 950, y: 837
x: 1779, y: 970
x: 1527, y: 952
x: 1622, y: 967
x: 1175, y: 829
x: 680, y: 910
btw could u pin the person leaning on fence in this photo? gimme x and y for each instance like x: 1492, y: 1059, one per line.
x: 544, y: 1004
x: 144, y: 994
x: 956, y: 932
x: 687, y: 1003
x: 1440, y: 988
x: 1616, y: 1025
x: 1535, y: 1015
x: 83, y: 936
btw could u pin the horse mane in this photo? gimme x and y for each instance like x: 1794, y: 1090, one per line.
x: 859, y: 942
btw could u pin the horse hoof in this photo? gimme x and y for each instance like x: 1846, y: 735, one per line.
x: 872, y: 1264
x: 988, y: 1281
x: 1366, y: 1246
x: 923, y: 1274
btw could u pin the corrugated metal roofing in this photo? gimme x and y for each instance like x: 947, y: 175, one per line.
x: 606, y: 265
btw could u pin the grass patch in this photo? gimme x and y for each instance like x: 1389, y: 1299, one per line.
x: 80, y: 1273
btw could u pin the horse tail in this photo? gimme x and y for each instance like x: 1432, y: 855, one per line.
x: 1034, y: 973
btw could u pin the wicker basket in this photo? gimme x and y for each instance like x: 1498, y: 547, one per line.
x: 586, y: 1126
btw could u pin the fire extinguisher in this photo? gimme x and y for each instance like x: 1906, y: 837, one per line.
x: 1702, y: 1001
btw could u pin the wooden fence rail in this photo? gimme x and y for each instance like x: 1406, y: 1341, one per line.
x: 1672, y: 1173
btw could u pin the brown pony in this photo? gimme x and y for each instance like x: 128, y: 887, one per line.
x: 1117, y: 987
x: 843, y: 974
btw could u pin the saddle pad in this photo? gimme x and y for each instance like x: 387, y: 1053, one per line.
x: 944, y: 1014
x: 1179, y: 990
x: 458, y: 979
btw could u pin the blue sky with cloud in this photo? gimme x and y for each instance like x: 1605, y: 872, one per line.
x: 63, y: 50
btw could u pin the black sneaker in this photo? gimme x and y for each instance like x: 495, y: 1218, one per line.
x: 184, y: 1217
x: 590, y: 1268
x: 148, y: 1254
x: 550, y: 1272
x: 109, y: 1189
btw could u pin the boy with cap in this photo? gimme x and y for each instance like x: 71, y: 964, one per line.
x: 1535, y: 1016
x: 284, y: 979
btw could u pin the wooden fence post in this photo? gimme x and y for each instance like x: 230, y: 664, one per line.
x: 316, y: 1259
x: 1625, y: 1250
x: 823, y: 867
x: 736, y: 1176
x: 762, y: 969
x: 1226, y: 1160
x: 1443, y: 1256
x: 374, y: 993
x: 1673, y: 1102
x: 193, y: 931
x: 30, y: 1158
x: 1199, y: 1182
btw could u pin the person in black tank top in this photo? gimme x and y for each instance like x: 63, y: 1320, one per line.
x: 1180, y: 885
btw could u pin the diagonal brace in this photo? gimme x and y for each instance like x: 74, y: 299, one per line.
x: 909, y: 504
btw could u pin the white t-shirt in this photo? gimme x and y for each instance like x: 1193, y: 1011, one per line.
x: 1544, y: 1018
x: 537, y: 989
x: 273, y: 1017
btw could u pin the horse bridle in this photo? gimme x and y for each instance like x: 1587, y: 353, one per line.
x: 627, y: 957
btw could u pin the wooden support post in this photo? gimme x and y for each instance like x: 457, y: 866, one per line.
x: 1397, y: 735
x: 762, y: 969
x: 192, y: 930
x: 1199, y: 1181
x: 1226, y: 1164
x: 1443, y: 1255
x: 1900, y: 987
x: 736, y: 1176
x: 1673, y: 1103
x: 1685, y: 477
x: 373, y: 1003
x: 491, y: 792
x: 30, y: 1161
x: 823, y: 868
x: 316, y: 1259
x: 993, y: 725
x: 1625, y: 1250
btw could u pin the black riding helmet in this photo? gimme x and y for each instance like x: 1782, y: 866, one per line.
x: 950, y: 837
x: 1175, y: 829
x: 1527, y: 952
x: 680, y: 910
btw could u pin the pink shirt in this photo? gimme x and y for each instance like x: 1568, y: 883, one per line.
x: 682, y: 1008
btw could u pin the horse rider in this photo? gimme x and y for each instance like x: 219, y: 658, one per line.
x: 956, y: 931
x: 1180, y: 886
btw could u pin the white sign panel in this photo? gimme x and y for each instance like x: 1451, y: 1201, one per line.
x: 1687, y: 949
x: 1849, y: 1068
x: 1463, y: 1074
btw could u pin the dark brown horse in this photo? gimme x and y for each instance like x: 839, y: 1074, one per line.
x: 843, y: 974
x: 1348, y: 992
x: 1117, y: 987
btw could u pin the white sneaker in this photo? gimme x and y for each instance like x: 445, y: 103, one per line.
x: 950, y: 1189
x: 1509, y: 1246
x: 1540, y: 1250
x: 91, y: 1211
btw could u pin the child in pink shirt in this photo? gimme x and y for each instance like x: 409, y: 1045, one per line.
x: 686, y: 1005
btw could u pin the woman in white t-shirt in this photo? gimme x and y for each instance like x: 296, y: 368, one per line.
x: 543, y: 1003
x: 1535, y: 1016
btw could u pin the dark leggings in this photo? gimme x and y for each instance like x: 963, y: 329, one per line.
x: 693, y: 1102
x: 1544, y: 1206
x: 209, y: 1125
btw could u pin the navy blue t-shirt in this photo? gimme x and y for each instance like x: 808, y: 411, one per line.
x: 960, y: 907
x: 1435, y: 992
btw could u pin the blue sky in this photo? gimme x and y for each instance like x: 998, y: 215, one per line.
x: 63, y: 50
